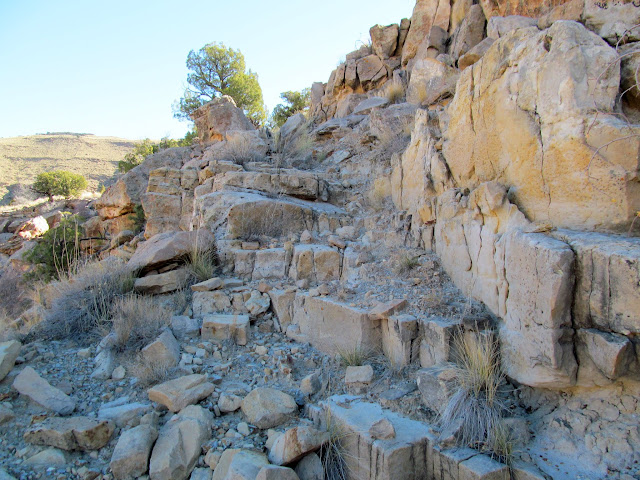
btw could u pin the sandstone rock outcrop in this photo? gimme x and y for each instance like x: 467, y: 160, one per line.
x: 214, y: 119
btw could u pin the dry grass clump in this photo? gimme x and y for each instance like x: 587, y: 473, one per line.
x: 151, y: 373
x: 301, y: 146
x: 394, y: 92
x: 333, y: 453
x: 13, y: 300
x: 82, y: 305
x: 137, y: 321
x: 502, y: 444
x: 240, y: 149
x: 354, y: 356
x: 202, y: 262
x: 475, y: 403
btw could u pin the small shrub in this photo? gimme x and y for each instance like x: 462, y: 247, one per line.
x: 149, y: 373
x: 139, y: 218
x: 83, y: 303
x: 502, y: 444
x: 56, y: 252
x: 59, y: 182
x: 137, y: 321
x: 333, y: 454
x: 353, y: 357
x: 241, y: 150
x: 394, y: 92
x: 475, y: 402
x: 202, y: 262
x: 407, y: 263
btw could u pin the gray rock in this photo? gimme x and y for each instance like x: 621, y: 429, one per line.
x: 73, y: 433
x: 47, y: 458
x: 179, y: 444
x: 273, y: 472
x: 164, y: 350
x: 296, y: 443
x: 382, y: 429
x: 162, y: 282
x: 359, y: 375
x: 500, y: 26
x: 267, y: 407
x: 9, y: 351
x: 6, y: 414
x: 178, y: 393
x: 123, y: 415
x: 435, y: 386
x: 130, y: 457
x: 310, y: 468
x: 365, y: 107
x: 105, y: 364
x: 30, y: 384
x: 239, y: 465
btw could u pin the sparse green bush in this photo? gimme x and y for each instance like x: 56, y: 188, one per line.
x: 137, y: 320
x: 59, y: 182
x: 83, y: 303
x: 139, y: 218
x: 475, y: 402
x: 407, y: 263
x: 146, y: 147
x: 57, y: 251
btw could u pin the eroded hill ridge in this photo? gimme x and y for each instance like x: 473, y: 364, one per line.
x: 473, y: 173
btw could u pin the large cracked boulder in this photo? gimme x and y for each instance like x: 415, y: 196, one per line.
x: 426, y: 14
x: 524, y: 116
x: 221, y: 115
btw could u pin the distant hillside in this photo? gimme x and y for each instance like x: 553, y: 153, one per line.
x: 22, y: 158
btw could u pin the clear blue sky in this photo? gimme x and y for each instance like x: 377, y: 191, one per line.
x: 115, y: 67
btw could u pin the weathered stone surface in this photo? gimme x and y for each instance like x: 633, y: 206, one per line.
x: 311, y: 384
x: 9, y: 351
x: 383, y: 430
x: 130, y: 457
x: 556, y: 166
x: 166, y: 248
x: 482, y: 467
x: 270, y: 263
x: 282, y: 304
x: 384, y: 310
x: 459, y: 10
x: 74, y: 433
x: 258, y: 303
x: 201, y: 474
x: 426, y: 14
x: 163, y: 282
x: 437, y: 340
x: 228, y: 402
x: 370, y: 70
x: 205, y: 303
x: 310, y: 468
x: 435, y: 385
x: 612, y: 20
x: 571, y: 10
x: 183, y: 326
x: 273, y: 472
x: 475, y: 54
x: 470, y: 33
x: 29, y: 383
x: 296, y: 443
x: 365, y: 107
x: 226, y: 327
x: 33, y: 228
x: 5, y: 476
x: 238, y: 464
x: 607, y: 275
x: 292, y: 126
x: 406, y: 456
x: 384, y: 40
x: 430, y: 81
x: 216, y: 118
x: 208, y: 285
x: 164, y: 350
x: 315, y: 263
x: 105, y: 364
x: 611, y: 353
x: 6, y: 414
x: 123, y: 414
x: 500, y: 26
x: 177, y: 394
x: 537, y: 338
x: 359, y: 375
x: 268, y: 408
x: 319, y: 318
x: 399, y: 339
x: 179, y: 444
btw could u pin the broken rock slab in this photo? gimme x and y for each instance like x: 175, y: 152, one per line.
x: 130, y: 458
x: 295, y: 443
x: 268, y: 407
x: 32, y: 385
x: 226, y: 327
x: 177, y: 394
x: 435, y: 385
x: 310, y: 468
x: 74, y: 433
x: 162, y: 282
x: 273, y: 472
x: 239, y: 464
x: 165, y: 350
x: 9, y: 351
x: 405, y: 456
x: 180, y: 443
x: 123, y: 414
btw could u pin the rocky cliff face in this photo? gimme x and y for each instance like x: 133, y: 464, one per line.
x: 487, y: 137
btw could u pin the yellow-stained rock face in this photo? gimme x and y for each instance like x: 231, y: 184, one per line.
x: 426, y: 14
x: 524, y: 116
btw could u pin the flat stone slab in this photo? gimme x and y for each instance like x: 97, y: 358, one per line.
x: 226, y: 327
x: 131, y: 456
x: 177, y: 394
x: 73, y: 433
x: 29, y: 383
x: 9, y: 351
